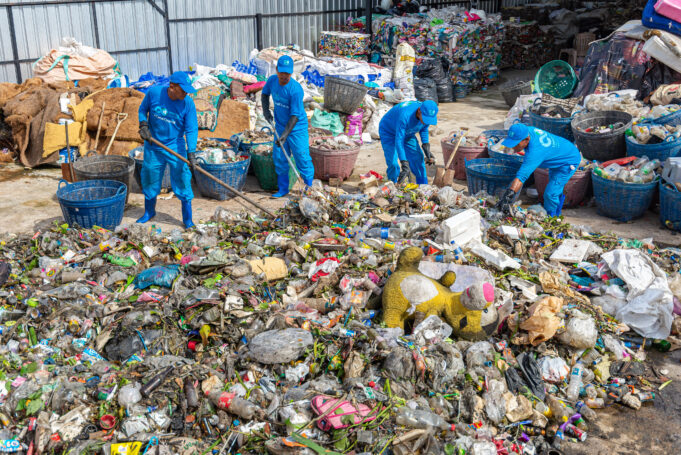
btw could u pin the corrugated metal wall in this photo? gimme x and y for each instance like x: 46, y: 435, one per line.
x: 208, y: 32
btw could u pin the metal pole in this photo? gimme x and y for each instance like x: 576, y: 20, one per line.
x: 368, y: 18
x: 258, y: 31
x: 13, y: 39
x: 167, y: 24
x: 95, y: 25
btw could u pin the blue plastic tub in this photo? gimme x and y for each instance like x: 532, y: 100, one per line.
x: 661, y: 151
x: 490, y: 175
x: 233, y: 174
x: 558, y: 126
x: 670, y: 207
x: 622, y: 201
x: 92, y: 203
x: 673, y: 119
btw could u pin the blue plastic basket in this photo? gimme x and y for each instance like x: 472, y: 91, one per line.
x: 622, y: 201
x: 490, y: 175
x: 670, y: 207
x: 233, y: 174
x: 558, y: 126
x: 661, y: 151
x: 165, y: 182
x: 92, y: 203
x: 673, y: 119
x: 246, y: 147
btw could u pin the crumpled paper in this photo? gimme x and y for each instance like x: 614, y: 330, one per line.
x: 543, y: 321
x: 649, y: 305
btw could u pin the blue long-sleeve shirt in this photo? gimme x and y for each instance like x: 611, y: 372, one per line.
x: 170, y: 120
x: 547, y: 151
x: 288, y: 101
x: 401, y: 123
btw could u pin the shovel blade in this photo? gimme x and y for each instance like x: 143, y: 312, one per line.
x: 439, y: 175
x: 448, y: 178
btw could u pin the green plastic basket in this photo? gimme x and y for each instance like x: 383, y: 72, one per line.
x: 557, y: 78
x: 263, y: 167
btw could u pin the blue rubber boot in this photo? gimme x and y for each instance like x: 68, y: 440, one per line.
x: 561, y: 201
x: 149, y: 210
x: 187, y: 214
x: 282, y: 184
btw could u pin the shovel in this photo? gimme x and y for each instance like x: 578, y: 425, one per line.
x: 444, y: 176
x: 213, y: 178
x: 121, y: 117
x: 99, y: 126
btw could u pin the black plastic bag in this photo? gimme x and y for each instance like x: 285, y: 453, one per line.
x: 425, y: 89
x: 431, y: 68
x: 531, y: 374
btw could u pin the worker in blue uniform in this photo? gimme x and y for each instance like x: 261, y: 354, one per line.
x: 398, y: 130
x: 290, y: 122
x: 169, y: 115
x: 542, y: 150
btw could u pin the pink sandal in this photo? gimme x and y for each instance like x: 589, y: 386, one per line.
x: 335, y: 410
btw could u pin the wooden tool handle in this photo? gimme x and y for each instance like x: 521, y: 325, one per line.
x: 99, y: 125
x: 451, y: 157
x: 212, y: 177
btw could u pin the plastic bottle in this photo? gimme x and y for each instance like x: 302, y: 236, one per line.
x: 190, y: 393
x: 138, y: 409
x: 612, y: 170
x: 384, y: 233
x: 595, y: 403
x: 559, y: 411
x: 585, y: 411
x: 650, y: 166
x: 229, y: 402
x: 575, y: 381
x: 420, y: 419
x: 155, y: 382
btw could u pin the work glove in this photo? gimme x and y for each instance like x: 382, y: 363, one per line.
x: 192, y: 160
x: 268, y: 116
x: 506, y: 201
x: 430, y: 159
x: 145, y: 132
x: 265, y: 100
x: 404, y: 172
x: 289, y: 127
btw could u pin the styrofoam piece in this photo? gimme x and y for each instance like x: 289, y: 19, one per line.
x: 510, y: 231
x: 462, y: 227
x: 528, y: 289
x: 656, y: 48
x: 671, y: 172
x: 572, y: 251
x: 498, y: 259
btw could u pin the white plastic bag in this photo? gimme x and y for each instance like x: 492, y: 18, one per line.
x: 553, y: 369
x: 580, y: 331
x: 431, y: 330
x: 650, y: 303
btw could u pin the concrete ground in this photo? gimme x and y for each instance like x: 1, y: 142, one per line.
x: 29, y: 203
x: 32, y: 202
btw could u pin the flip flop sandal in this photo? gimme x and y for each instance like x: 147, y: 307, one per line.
x: 339, y: 414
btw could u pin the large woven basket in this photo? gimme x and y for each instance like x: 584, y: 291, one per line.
x: 333, y: 164
x: 622, y: 201
x: 92, y: 203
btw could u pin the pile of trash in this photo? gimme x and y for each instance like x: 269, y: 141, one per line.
x: 254, y: 136
x: 331, y: 143
x: 637, y: 170
x: 217, y: 152
x: 324, y: 332
x: 654, y: 134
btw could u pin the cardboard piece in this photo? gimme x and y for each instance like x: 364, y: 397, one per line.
x: 273, y: 268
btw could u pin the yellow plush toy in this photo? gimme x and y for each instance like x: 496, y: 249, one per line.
x: 471, y: 313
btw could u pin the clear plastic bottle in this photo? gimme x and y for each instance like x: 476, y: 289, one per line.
x: 575, y: 381
x: 384, y: 233
x: 638, y: 162
x: 612, y: 170
x: 650, y: 167
x: 595, y: 403
x: 229, y: 402
x: 559, y: 411
x: 586, y: 412
x: 420, y: 419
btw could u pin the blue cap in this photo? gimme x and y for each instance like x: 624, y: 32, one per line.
x: 429, y: 112
x: 183, y: 80
x: 517, y: 133
x: 285, y: 64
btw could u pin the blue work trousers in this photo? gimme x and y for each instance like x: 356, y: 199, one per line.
x: 298, y: 144
x: 553, y: 194
x: 152, y: 175
x: 413, y: 154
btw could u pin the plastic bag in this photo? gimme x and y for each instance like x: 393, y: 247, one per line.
x: 279, y: 346
x: 531, y: 375
x: 353, y: 125
x: 382, y: 108
x: 553, y: 369
x: 650, y: 302
x: 327, y: 120
x: 157, y: 276
x: 543, y: 322
x: 404, y: 64
x: 580, y: 331
x: 495, y: 404
x: 431, y: 330
x: 425, y: 89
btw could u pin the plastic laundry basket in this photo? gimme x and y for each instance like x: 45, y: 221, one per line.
x: 660, y: 151
x: 333, y: 163
x: 670, y: 207
x: 558, y: 126
x: 601, y: 146
x: 513, y: 89
x: 92, y: 203
x: 490, y: 175
x: 104, y: 167
x: 342, y: 95
x: 263, y: 167
x: 557, y: 78
x: 622, y: 201
x: 165, y: 182
x: 462, y: 155
x: 233, y: 174
x: 575, y: 189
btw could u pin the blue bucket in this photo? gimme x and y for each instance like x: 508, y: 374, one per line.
x: 490, y: 175
x: 670, y: 207
x: 660, y: 151
x: 92, y: 203
x: 622, y: 201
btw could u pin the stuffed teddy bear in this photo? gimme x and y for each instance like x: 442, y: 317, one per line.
x: 408, y: 292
